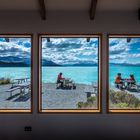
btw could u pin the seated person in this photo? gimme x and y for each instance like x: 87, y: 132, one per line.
x: 132, y: 80
x: 118, y: 80
x: 60, y: 79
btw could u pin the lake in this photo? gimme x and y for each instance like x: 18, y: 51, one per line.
x: 85, y: 75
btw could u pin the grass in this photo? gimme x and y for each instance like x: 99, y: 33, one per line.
x: 123, y: 100
x: 4, y: 81
x: 91, y: 103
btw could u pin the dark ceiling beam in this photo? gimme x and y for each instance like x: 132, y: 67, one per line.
x: 42, y: 9
x: 93, y: 9
x: 139, y: 14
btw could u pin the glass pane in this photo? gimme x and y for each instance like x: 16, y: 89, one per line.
x: 15, y: 73
x: 69, y: 73
x: 124, y: 73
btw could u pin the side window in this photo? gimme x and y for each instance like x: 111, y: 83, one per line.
x: 15, y: 73
x: 124, y: 73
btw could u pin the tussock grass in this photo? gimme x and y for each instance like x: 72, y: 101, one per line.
x: 91, y: 103
x: 4, y: 81
x: 123, y: 100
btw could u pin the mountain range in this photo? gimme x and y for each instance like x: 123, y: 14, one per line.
x: 11, y: 61
x: 124, y: 64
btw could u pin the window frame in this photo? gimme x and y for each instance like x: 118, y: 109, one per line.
x: 117, y: 111
x: 98, y: 110
x: 21, y: 111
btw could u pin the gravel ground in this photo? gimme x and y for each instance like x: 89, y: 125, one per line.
x: 53, y: 98
x: 14, y: 102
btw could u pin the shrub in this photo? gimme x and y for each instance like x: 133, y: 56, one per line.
x: 91, y: 102
x: 122, y: 105
x: 5, y: 81
x: 123, y: 99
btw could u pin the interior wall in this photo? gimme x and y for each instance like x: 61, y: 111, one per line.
x: 66, y: 126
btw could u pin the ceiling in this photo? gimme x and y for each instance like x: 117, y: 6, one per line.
x: 69, y: 5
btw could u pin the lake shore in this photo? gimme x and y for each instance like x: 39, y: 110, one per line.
x: 52, y: 98
x: 15, y: 101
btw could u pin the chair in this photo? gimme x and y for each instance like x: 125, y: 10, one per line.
x: 58, y: 85
x: 119, y: 86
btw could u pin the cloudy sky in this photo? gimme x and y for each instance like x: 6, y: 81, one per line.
x: 70, y: 50
x: 17, y: 47
x: 73, y: 50
x: 123, y: 52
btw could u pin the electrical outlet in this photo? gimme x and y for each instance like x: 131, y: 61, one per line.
x: 28, y: 128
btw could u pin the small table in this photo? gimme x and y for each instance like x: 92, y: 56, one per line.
x: 21, y: 80
x: 127, y: 83
x: 67, y: 82
x: 22, y: 87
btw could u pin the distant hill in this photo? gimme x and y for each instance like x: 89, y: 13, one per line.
x: 11, y: 61
x: 11, y: 64
x: 14, y: 59
x: 49, y: 63
x: 85, y: 64
x: 124, y: 64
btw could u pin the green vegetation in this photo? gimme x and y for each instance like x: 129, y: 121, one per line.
x: 91, y: 103
x: 5, y: 81
x: 123, y: 100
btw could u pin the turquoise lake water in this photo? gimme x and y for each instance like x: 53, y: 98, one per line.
x: 125, y: 72
x: 85, y: 75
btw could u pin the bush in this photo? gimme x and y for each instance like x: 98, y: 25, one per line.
x: 91, y: 102
x: 123, y: 99
x: 122, y: 105
x: 5, y: 81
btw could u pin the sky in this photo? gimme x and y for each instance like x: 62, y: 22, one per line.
x: 70, y: 50
x: 74, y: 50
x: 122, y: 52
x: 17, y: 47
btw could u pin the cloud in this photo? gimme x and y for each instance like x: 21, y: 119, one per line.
x: 70, y: 50
x: 121, y: 51
x: 135, y: 55
x: 18, y: 47
x: 118, y: 46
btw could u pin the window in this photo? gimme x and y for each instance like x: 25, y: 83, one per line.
x: 69, y: 73
x: 124, y: 73
x: 15, y: 73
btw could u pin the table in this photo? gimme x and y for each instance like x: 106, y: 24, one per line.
x: 21, y: 80
x: 127, y: 83
x: 67, y: 82
x: 22, y: 87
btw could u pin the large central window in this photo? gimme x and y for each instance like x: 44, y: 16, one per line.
x: 69, y: 73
